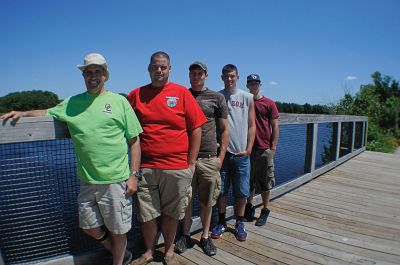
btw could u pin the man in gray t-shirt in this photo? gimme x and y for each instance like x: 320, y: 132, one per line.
x: 206, y: 179
x: 236, y: 166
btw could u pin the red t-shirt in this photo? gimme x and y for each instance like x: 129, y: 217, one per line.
x: 166, y: 114
x: 266, y: 111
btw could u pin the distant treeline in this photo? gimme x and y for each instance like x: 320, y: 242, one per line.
x: 38, y: 99
x: 306, y: 108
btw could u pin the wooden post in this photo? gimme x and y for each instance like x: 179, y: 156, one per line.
x: 353, y: 134
x: 314, y: 146
x: 339, y: 137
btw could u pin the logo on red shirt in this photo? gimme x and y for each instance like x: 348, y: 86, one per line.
x: 172, y: 101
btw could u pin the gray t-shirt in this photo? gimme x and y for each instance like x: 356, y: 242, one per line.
x: 214, y: 107
x: 238, y: 116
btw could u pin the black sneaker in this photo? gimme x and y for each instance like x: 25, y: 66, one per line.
x: 249, y: 212
x: 183, y: 243
x: 263, y: 217
x: 208, y: 246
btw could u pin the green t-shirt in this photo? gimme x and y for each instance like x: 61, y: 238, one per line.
x: 99, y: 126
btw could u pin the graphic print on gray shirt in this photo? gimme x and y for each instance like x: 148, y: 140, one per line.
x: 238, y: 116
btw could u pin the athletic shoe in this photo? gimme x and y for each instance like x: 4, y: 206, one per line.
x: 263, y: 217
x: 249, y: 212
x: 240, y: 232
x: 218, y: 231
x: 208, y: 246
x: 183, y: 243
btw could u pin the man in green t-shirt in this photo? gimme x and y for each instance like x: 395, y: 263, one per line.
x: 100, y: 123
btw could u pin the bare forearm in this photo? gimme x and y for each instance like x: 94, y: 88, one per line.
x: 224, y: 131
x: 251, y: 134
x: 194, y: 145
x: 35, y: 113
x: 274, y: 135
x: 135, y: 152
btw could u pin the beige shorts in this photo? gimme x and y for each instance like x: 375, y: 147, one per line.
x: 105, y: 204
x: 162, y: 191
x: 262, y: 170
x: 207, y: 180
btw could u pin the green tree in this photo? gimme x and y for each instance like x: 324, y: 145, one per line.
x: 380, y: 101
x: 28, y: 100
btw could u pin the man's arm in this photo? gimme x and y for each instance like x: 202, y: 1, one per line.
x: 16, y: 115
x: 274, y: 135
x: 251, y: 131
x: 135, y: 152
x: 224, y: 130
x: 194, y: 146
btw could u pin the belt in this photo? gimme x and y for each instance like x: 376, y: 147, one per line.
x: 206, y: 155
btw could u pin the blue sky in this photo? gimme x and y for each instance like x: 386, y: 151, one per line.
x: 305, y: 51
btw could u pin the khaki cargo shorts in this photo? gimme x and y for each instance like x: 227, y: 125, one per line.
x: 262, y: 170
x: 162, y: 191
x: 207, y: 180
x: 105, y: 204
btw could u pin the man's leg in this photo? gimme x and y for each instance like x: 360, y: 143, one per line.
x: 265, y: 195
x: 187, y: 220
x: 205, y: 216
x: 184, y: 241
x: 101, y: 235
x: 240, y: 184
x: 266, y: 180
x: 175, y: 196
x: 168, y: 229
x: 240, y: 204
x: 149, y: 231
x: 118, y: 248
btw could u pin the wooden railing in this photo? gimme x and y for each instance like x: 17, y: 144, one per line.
x: 46, y: 128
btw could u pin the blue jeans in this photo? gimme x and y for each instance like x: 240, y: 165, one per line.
x: 235, y: 170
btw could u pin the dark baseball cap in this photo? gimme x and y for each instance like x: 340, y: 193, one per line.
x: 202, y: 65
x: 253, y: 77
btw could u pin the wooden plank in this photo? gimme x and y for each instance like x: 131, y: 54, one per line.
x: 328, y: 254
x: 326, y: 239
x: 348, y: 206
x: 46, y: 128
x: 337, y: 192
x: 258, y: 247
x: 344, y: 223
x: 33, y: 129
x: 226, y: 257
x: 380, y: 244
x: 276, y: 242
x: 338, y: 211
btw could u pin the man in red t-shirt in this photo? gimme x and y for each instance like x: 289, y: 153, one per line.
x: 264, y: 148
x: 171, y: 120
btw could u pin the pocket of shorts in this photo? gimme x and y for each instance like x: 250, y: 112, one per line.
x: 126, y: 210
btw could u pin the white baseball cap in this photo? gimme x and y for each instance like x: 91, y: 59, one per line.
x: 96, y: 59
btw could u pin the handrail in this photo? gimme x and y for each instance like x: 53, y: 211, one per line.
x: 47, y: 128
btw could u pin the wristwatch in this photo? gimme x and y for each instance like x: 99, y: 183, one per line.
x: 137, y: 174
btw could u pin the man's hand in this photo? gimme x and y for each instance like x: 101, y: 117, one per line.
x: 272, y: 152
x: 192, y: 167
x: 13, y: 115
x: 243, y: 153
x: 131, y: 185
x: 220, y: 161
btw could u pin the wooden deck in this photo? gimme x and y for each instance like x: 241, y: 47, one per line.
x: 349, y: 215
